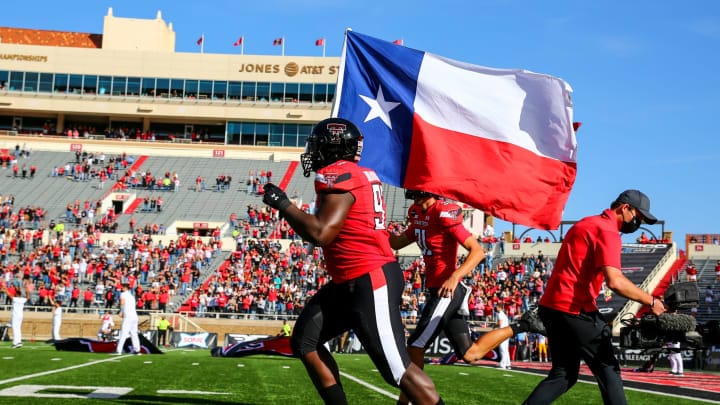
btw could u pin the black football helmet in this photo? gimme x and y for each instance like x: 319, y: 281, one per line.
x: 331, y: 140
x: 416, y: 194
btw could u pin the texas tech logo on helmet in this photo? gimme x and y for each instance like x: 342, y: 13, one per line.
x: 336, y: 129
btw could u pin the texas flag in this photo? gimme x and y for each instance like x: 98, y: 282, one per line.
x: 499, y: 140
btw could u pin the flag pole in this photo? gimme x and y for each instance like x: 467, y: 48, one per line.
x: 242, y: 45
x: 202, y: 43
x: 282, y: 40
x: 323, y: 47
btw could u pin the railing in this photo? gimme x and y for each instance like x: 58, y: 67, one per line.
x: 156, y: 314
x: 94, y: 310
x: 238, y: 316
x: 167, y: 98
x: 648, y: 285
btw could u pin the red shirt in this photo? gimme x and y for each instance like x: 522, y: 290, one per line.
x: 437, y: 231
x: 363, y: 244
x: 88, y: 295
x: 577, y: 277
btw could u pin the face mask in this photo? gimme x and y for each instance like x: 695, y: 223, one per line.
x: 632, y: 226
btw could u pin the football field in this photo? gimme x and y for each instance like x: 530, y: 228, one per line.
x: 38, y: 374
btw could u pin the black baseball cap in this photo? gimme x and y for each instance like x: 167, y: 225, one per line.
x: 640, y: 202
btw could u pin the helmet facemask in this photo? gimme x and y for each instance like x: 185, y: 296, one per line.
x: 312, y: 156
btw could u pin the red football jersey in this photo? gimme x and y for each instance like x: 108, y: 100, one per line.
x: 437, y: 231
x: 363, y: 242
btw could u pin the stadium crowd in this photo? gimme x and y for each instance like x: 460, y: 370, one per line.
x: 258, y: 277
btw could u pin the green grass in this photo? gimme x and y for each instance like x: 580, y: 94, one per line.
x: 253, y: 380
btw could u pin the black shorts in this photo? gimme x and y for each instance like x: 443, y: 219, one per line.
x: 441, y: 313
x: 370, y: 306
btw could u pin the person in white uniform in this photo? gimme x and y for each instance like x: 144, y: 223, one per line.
x: 18, y: 305
x: 503, y: 321
x: 56, y: 320
x: 675, y: 358
x: 129, y: 327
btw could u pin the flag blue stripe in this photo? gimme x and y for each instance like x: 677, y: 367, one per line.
x: 371, y: 63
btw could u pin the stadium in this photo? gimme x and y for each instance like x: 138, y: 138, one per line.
x: 118, y: 153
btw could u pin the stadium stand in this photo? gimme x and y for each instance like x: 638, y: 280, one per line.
x: 302, y: 273
x: 638, y: 261
x: 706, y: 277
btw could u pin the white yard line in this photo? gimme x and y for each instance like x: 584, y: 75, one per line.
x: 186, y: 392
x: 368, y: 385
x: 60, y: 370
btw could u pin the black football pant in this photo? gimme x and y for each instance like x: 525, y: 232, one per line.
x: 572, y: 338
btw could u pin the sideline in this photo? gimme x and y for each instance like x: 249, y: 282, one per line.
x: 368, y: 385
x: 627, y: 384
x: 60, y: 370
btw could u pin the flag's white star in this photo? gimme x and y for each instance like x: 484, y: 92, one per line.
x: 379, y: 108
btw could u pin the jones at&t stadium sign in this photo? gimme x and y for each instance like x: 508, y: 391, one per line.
x: 290, y: 69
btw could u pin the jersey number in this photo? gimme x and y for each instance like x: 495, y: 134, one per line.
x: 422, y: 242
x: 378, y: 206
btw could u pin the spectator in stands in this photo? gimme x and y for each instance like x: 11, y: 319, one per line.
x: 88, y: 297
x: 717, y: 270
x: 643, y: 238
x: 691, y: 272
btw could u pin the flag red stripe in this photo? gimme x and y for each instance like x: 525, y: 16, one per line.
x: 517, y: 185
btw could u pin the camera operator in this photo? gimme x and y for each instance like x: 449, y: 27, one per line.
x: 590, y: 253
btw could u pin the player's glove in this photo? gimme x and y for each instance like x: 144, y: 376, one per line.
x: 275, y: 197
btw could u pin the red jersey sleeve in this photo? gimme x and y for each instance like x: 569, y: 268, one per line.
x: 450, y: 215
x: 451, y: 218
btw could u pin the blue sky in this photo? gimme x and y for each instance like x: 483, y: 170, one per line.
x: 645, y: 74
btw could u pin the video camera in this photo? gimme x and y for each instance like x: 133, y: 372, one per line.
x: 652, y: 331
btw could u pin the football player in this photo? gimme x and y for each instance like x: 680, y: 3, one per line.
x: 365, y: 293
x: 437, y: 227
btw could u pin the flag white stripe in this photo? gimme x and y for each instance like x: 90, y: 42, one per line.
x: 519, y: 107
